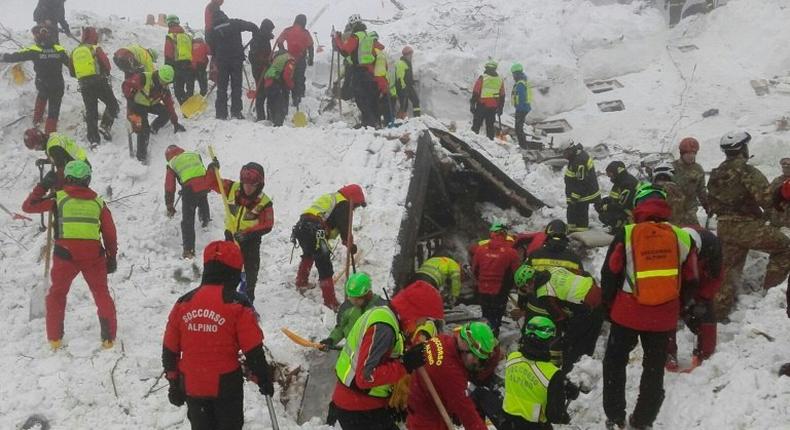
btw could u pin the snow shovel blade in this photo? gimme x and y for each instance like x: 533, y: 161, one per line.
x: 299, y: 119
x: 299, y: 340
x: 194, y: 106
x: 18, y: 74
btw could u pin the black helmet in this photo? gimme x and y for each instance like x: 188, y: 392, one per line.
x: 615, y: 167
x: 556, y: 229
x: 301, y: 20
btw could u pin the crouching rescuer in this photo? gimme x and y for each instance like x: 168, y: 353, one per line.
x: 205, y: 331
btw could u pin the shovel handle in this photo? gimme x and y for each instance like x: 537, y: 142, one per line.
x: 426, y: 380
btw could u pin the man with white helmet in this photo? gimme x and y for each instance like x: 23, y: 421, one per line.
x: 664, y: 177
x: 739, y: 195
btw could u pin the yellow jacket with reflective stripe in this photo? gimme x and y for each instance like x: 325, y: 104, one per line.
x: 143, y: 56
x: 240, y: 218
x: 68, y: 144
x: 142, y: 97
x: 346, y: 364
x: 322, y: 208
x: 491, y: 87
x: 182, y: 43
x: 78, y: 218
x: 83, y: 58
x: 527, y: 387
x: 566, y: 285
x: 445, y: 272
x: 186, y: 166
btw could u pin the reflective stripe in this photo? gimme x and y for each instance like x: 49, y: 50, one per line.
x: 323, y: 206
x: 526, y: 387
x: 78, y: 218
x: 545, y: 263
x: 186, y: 166
x: 656, y: 273
x: 84, y: 61
x: 239, y: 218
x: 491, y: 87
x: 183, y: 46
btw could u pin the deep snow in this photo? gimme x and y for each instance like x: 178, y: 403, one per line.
x: 562, y: 44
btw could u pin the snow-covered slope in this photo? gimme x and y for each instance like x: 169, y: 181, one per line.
x: 562, y: 44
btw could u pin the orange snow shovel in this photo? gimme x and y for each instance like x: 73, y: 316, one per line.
x: 196, y: 104
x: 18, y: 74
x: 299, y: 340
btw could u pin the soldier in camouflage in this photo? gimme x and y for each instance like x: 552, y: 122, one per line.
x: 740, y: 195
x: 690, y: 178
x: 663, y: 177
x: 781, y: 218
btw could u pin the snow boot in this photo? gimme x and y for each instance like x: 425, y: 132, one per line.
x: 615, y: 424
x: 785, y: 370
x: 55, y: 345
x: 303, y: 273
x: 632, y: 425
x: 38, y: 111
x: 51, y: 125
x: 328, y: 293
x: 706, y: 341
x: 672, y: 363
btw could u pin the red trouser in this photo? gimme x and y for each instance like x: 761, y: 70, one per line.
x: 94, y: 270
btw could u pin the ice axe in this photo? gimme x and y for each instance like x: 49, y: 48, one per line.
x: 14, y: 215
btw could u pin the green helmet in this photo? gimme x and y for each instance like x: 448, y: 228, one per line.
x: 646, y: 189
x: 516, y: 67
x: 172, y: 19
x: 523, y: 275
x: 77, y: 169
x: 491, y: 64
x: 480, y: 339
x: 358, y: 284
x: 166, y: 74
x: 541, y: 328
x: 497, y: 227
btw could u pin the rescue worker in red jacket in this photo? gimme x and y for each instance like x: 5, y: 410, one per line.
x: 200, y: 53
x: 91, y: 67
x: 450, y: 359
x: 299, y: 43
x: 49, y: 59
x: 493, y: 265
x: 148, y: 93
x: 278, y: 81
x: 178, y: 54
x: 375, y: 357
x: 648, y: 276
x: 250, y: 216
x: 134, y: 59
x: 187, y: 168
x: 82, y: 222
x: 326, y: 219
x: 359, y: 48
x: 488, y: 99
x: 205, y: 331
x: 700, y: 316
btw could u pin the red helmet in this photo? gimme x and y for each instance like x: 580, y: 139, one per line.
x: 90, y: 36
x: 354, y: 194
x: 225, y: 252
x: 407, y: 50
x: 689, y: 144
x: 35, y: 139
x: 252, y: 174
x: 172, y: 151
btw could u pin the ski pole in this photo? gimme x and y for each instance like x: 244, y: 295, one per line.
x: 273, y: 417
x: 332, y: 67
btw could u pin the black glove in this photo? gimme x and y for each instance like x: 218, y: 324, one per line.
x: 265, y: 383
x: 228, y: 236
x: 327, y: 343
x: 49, y: 180
x: 112, y: 265
x: 240, y: 236
x: 175, y: 394
x: 694, y: 313
x: 571, y: 390
x: 353, y: 248
x: 309, y: 61
x: 414, y: 358
x: 213, y: 165
x: 171, y: 211
x: 178, y: 127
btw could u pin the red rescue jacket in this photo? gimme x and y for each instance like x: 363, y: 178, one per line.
x: 200, y: 53
x: 298, y: 40
x: 349, y: 47
x: 494, y: 263
x: 265, y: 217
x: 78, y: 248
x: 136, y: 82
x: 446, y: 369
x: 205, y: 331
x: 489, y: 102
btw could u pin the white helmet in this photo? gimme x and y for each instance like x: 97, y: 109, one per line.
x: 734, y: 141
x: 355, y: 18
x: 664, y: 168
x: 565, y: 144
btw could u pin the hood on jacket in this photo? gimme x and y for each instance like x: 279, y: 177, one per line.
x: 300, y: 20
x: 652, y: 209
x: 267, y: 26
x: 416, y: 301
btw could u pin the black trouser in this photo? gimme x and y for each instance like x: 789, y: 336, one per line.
x: 578, y: 215
x: 580, y: 336
x: 184, y: 82
x: 162, y: 116
x: 251, y: 252
x: 375, y: 419
x: 225, y: 412
x: 404, y: 96
x: 521, y: 117
x: 651, y: 387
x: 201, y: 76
x: 277, y: 103
x: 493, y: 307
x: 512, y: 422
x: 93, y: 89
x: 299, y: 81
x: 487, y: 114
x: 190, y: 201
x: 228, y: 72
x: 305, y: 233
x: 50, y: 94
x: 386, y: 108
x: 366, y: 96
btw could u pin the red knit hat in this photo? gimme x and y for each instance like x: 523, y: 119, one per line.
x: 418, y: 300
x: 225, y: 252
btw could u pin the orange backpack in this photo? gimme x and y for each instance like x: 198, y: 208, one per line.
x: 655, y: 253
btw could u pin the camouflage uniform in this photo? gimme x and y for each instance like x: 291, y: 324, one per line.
x: 738, y: 194
x: 691, y: 180
x: 676, y: 200
x: 777, y: 218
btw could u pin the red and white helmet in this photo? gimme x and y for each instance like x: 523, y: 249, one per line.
x: 35, y: 139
